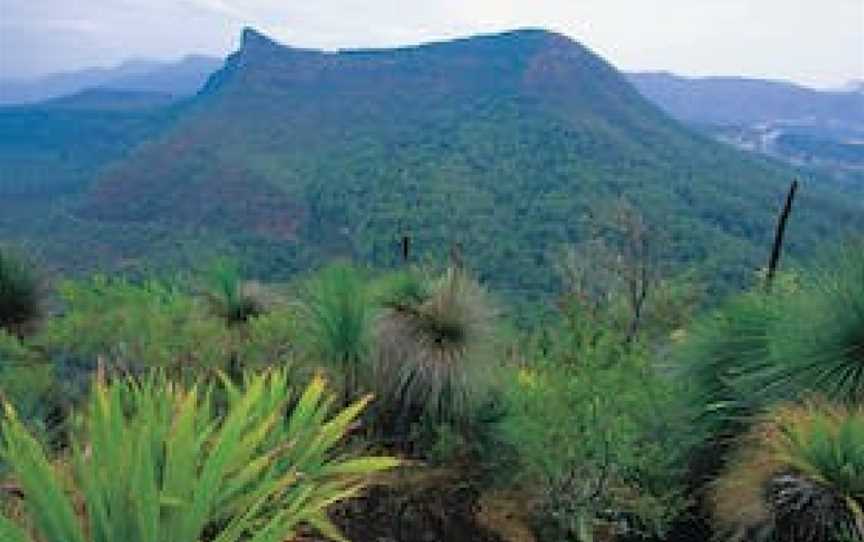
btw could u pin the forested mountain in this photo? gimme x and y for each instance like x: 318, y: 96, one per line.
x: 508, y: 144
x: 182, y: 78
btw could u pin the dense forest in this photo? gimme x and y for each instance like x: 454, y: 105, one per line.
x: 404, y: 404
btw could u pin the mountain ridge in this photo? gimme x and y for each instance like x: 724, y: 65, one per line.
x: 506, y: 143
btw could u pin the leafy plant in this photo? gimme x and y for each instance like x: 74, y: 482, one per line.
x: 798, y: 477
x: 155, y: 461
x: 20, y: 294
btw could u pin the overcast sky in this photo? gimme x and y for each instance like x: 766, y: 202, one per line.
x: 815, y: 42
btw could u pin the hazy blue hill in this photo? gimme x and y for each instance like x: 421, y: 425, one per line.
x: 505, y: 143
x: 182, y: 78
x: 821, y: 132
x: 737, y: 100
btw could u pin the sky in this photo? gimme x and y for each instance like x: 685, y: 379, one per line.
x: 813, y: 42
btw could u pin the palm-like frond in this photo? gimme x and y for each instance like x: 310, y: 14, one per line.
x: 723, y: 355
x: 154, y: 463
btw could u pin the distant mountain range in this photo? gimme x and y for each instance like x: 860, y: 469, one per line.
x: 737, y: 100
x: 820, y: 130
x: 505, y: 143
x: 182, y: 78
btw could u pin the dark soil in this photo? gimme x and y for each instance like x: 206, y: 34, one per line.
x: 436, y: 507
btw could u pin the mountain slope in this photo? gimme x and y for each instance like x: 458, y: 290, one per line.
x: 505, y: 143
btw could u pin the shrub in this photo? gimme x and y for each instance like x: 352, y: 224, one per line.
x: 799, y: 476
x: 153, y: 461
x: 136, y: 326
x: 270, y: 339
x: 25, y: 379
x: 598, y: 433
x: 20, y: 295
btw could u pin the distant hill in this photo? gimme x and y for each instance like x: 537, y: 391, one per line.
x: 505, y: 143
x: 737, y: 100
x: 819, y: 130
x: 182, y: 78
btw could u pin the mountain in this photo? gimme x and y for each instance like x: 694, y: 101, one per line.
x: 505, y: 143
x: 741, y: 101
x: 182, y: 78
x: 820, y: 131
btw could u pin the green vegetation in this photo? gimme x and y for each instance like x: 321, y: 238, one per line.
x: 599, y: 434
x: 744, y: 422
x: 153, y: 460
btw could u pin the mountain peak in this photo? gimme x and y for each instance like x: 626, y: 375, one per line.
x: 252, y: 39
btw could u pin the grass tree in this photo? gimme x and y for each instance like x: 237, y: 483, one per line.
x: 820, y: 346
x: 230, y: 297
x: 434, y: 345
x: 337, y: 314
x: 799, y: 477
x: 20, y: 294
x: 154, y: 462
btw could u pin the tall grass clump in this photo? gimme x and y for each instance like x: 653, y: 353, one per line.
x: 20, y: 294
x: 798, y: 477
x: 336, y: 323
x: 154, y: 461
